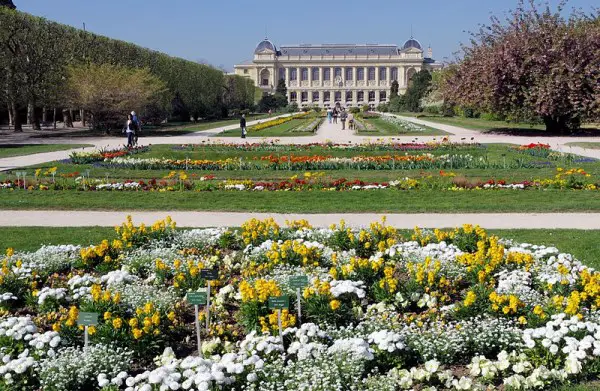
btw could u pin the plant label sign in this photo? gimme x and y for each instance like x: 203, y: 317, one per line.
x: 197, y: 298
x: 279, y: 302
x: 87, y: 319
x: 209, y: 274
x: 298, y: 282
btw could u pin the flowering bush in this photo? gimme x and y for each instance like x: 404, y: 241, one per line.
x: 452, y: 309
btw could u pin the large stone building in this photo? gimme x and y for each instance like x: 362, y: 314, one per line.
x: 351, y: 75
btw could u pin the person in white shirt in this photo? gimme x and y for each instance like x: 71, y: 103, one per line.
x: 130, y: 130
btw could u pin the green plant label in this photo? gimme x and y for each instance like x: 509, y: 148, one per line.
x: 196, y: 298
x: 209, y: 274
x: 298, y: 282
x: 279, y: 302
x: 87, y: 319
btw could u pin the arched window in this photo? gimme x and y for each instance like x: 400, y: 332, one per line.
x: 382, y: 96
x: 360, y: 96
x: 395, y: 73
x: 315, y: 73
x: 293, y: 96
x: 360, y: 74
x: 349, y: 73
x: 348, y: 96
x: 315, y: 96
x: 304, y: 96
x: 371, y: 96
x: 326, y: 74
x: 304, y: 74
x: 382, y: 73
x: 293, y: 74
x: 371, y: 73
x: 281, y: 73
x: 337, y: 72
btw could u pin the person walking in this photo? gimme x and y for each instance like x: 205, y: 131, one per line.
x: 343, y: 117
x: 130, y: 130
x: 137, y: 127
x: 335, y: 115
x: 329, y: 114
x: 350, y: 121
x: 243, y: 125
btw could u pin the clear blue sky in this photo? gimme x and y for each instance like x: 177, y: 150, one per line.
x: 225, y: 32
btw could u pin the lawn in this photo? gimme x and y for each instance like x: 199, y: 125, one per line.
x: 380, y: 201
x: 287, y: 129
x: 10, y: 150
x: 186, y: 127
x: 387, y: 128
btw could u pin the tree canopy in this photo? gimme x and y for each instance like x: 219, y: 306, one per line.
x: 536, y: 63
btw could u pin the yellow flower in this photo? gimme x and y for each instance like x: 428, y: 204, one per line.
x: 107, y: 315
x: 137, y: 333
x: 334, y: 304
x: 470, y: 299
x: 92, y: 330
x: 133, y: 322
x: 117, y: 323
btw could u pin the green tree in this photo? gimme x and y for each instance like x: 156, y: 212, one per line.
x: 395, y: 89
x: 417, y: 89
x: 110, y: 92
x: 281, y: 88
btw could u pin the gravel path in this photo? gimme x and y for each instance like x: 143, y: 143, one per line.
x: 54, y: 218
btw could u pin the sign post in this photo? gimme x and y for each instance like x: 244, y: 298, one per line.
x: 279, y: 303
x: 209, y: 275
x: 298, y: 283
x: 197, y: 299
x: 87, y: 319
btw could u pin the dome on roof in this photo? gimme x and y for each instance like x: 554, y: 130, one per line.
x: 412, y: 43
x: 265, y: 44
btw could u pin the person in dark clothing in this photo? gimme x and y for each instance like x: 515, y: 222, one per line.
x: 243, y: 125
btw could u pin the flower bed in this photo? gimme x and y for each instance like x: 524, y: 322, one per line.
x: 403, y: 125
x: 275, y: 122
x: 102, y: 154
x: 454, y: 309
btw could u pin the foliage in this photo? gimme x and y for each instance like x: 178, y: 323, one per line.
x: 110, y: 92
x: 417, y: 89
x: 395, y: 88
x: 536, y: 63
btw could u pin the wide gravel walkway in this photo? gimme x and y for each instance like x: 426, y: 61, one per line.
x: 56, y: 218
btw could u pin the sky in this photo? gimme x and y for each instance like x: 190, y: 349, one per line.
x: 225, y: 32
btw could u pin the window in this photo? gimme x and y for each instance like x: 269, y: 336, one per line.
x: 304, y: 74
x: 326, y: 96
x: 395, y: 73
x: 382, y: 96
x: 360, y: 96
x: 360, y: 74
x: 338, y: 96
x: 371, y: 96
x: 245, y: 71
x: 293, y: 97
x: 264, y: 82
x: 293, y: 74
x: 337, y: 72
x: 326, y: 74
x: 281, y: 73
x: 304, y: 96
x: 315, y: 73
x: 349, y: 73
x: 371, y: 73
x: 348, y: 96
x: 315, y: 96
x: 382, y: 73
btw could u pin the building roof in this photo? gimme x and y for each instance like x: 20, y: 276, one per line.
x: 412, y: 43
x: 265, y: 44
x: 338, y: 50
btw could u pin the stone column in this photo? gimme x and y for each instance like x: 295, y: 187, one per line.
x: 310, y: 76
x: 321, y: 78
x: 401, y: 76
x: 331, y: 75
x: 287, y: 77
x: 343, y: 76
x: 388, y: 75
x: 377, y: 77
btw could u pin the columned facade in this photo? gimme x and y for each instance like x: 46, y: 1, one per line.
x: 351, y: 75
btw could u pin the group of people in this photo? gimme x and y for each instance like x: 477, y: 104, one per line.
x: 132, y: 129
x: 342, y: 114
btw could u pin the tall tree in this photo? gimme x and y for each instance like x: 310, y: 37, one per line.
x: 281, y: 88
x: 536, y: 63
x: 417, y: 89
x: 7, y: 3
x: 395, y: 89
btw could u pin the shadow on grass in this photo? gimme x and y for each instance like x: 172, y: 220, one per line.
x: 533, y: 132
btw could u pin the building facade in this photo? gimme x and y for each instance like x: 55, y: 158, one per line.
x: 330, y: 74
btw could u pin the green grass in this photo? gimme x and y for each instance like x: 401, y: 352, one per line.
x: 186, y: 127
x: 310, y: 201
x: 386, y: 128
x: 32, y: 238
x: 283, y: 130
x: 10, y: 150
x: 585, y: 145
x: 591, y: 386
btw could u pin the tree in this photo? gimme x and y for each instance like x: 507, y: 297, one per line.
x: 420, y: 83
x: 7, y: 3
x: 395, y: 89
x: 109, y: 92
x: 536, y: 63
x: 281, y: 88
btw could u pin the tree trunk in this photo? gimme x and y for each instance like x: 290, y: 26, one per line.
x: 82, y: 115
x: 10, y: 116
x: 71, y: 116
x: 67, y: 119
x: 30, y: 110
x: 35, y: 121
x: 44, y: 115
x: 16, y: 120
x: 54, y: 118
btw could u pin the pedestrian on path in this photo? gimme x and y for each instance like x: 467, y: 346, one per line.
x: 243, y: 125
x: 138, y: 127
x: 343, y: 118
x: 350, y: 121
x: 130, y: 130
x: 329, y: 114
x: 335, y: 115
